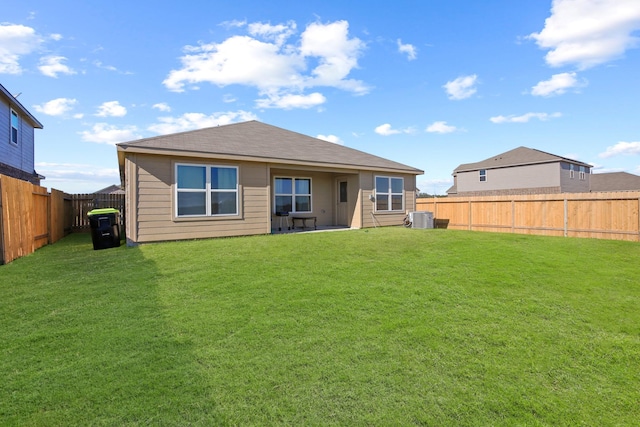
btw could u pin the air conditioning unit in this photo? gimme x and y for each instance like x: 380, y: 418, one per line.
x: 421, y: 219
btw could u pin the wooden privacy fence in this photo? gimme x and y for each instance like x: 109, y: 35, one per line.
x: 613, y: 215
x: 30, y: 217
x: 84, y: 203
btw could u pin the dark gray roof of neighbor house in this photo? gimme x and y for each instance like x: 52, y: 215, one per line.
x: 256, y: 140
x: 112, y: 189
x: 517, y: 157
x: 16, y: 105
x: 614, y: 181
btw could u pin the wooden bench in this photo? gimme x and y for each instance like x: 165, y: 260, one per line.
x: 304, y: 221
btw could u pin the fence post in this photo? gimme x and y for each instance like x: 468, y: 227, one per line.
x: 566, y: 217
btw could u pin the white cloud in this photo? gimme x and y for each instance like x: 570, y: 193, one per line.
x: 56, y: 37
x: 111, y: 109
x: 51, y: 66
x: 588, y: 32
x: 191, y: 121
x: 557, y: 85
x: 228, y: 98
x: 276, y: 33
x: 16, y: 41
x: 621, y: 149
x: 264, y: 60
x: 386, y: 130
x: 162, y: 106
x: 336, y: 54
x: 103, y: 133
x: 289, y: 101
x: 409, y: 49
x: 77, y: 178
x: 440, y: 127
x: 462, y: 87
x: 331, y: 138
x: 68, y: 171
x: 524, y: 118
x: 56, y: 107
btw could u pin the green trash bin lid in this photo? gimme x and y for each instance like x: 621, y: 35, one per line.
x: 102, y: 211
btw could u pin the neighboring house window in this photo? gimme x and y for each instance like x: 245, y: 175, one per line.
x: 483, y: 175
x: 293, y: 195
x: 203, y: 190
x: 572, y: 171
x: 15, y: 125
x: 582, y: 173
x: 389, y: 193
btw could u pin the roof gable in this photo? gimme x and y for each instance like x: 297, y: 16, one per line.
x: 16, y: 105
x: 517, y: 157
x: 256, y: 140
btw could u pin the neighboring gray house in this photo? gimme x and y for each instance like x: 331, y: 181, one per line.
x: 240, y: 179
x: 615, y: 181
x: 521, y: 171
x: 17, y: 139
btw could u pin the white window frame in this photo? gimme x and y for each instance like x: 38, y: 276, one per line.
x: 572, y: 172
x: 389, y: 195
x: 293, y: 193
x: 583, y: 174
x: 208, y: 190
x: 15, y: 128
x: 482, y: 175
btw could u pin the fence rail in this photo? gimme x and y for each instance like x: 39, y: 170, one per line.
x: 84, y: 203
x: 31, y: 217
x: 611, y: 215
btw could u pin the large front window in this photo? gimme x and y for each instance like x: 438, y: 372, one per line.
x: 389, y: 194
x: 206, y: 190
x: 293, y: 195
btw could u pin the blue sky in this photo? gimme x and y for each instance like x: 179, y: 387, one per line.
x: 431, y: 84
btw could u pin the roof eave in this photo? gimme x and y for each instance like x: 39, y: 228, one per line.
x: 541, y: 162
x: 123, y: 148
x: 16, y: 105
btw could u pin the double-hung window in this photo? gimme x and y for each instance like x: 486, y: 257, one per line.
x: 292, y: 195
x: 203, y: 190
x: 571, y: 171
x: 483, y: 175
x: 389, y: 194
x: 15, y: 125
x: 583, y: 173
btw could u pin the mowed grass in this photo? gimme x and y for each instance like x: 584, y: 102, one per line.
x: 386, y: 326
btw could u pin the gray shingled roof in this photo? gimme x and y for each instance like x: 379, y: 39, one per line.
x: 517, y: 157
x: 254, y: 139
x: 614, y: 181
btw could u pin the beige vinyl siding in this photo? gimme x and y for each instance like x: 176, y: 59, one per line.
x: 383, y: 219
x: 323, y: 194
x: 155, y: 203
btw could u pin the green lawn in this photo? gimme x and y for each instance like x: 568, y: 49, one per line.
x: 387, y: 326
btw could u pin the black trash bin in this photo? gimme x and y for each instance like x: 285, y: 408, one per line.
x: 105, y: 228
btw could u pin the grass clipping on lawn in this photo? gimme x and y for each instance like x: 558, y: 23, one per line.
x: 387, y: 326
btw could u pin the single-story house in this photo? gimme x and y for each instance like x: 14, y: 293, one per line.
x: 237, y: 179
x: 521, y: 171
